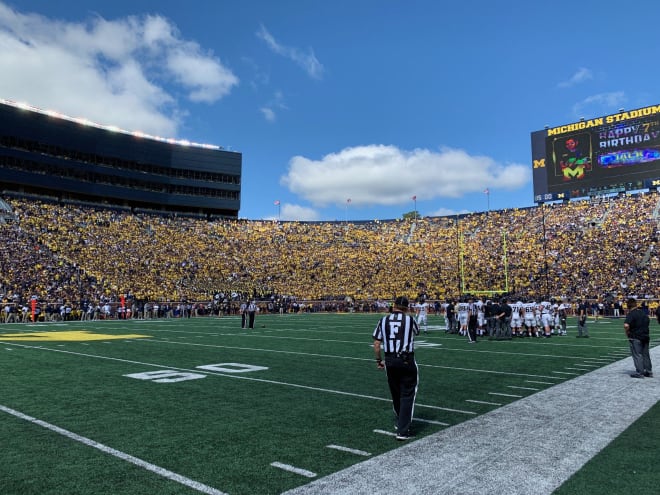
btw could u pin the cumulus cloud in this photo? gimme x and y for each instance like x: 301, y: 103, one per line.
x: 205, y: 77
x: 306, y: 60
x: 300, y: 213
x: 599, y: 103
x: 582, y: 74
x: 295, y: 213
x: 385, y: 175
x: 126, y: 72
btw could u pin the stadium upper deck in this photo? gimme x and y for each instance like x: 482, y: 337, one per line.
x: 45, y: 153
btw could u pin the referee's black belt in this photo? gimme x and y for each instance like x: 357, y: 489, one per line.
x: 399, y: 354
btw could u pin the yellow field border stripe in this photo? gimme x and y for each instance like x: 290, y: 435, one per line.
x: 66, y: 336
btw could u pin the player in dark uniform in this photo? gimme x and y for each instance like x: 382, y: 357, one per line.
x: 582, y: 319
x: 395, y: 333
x: 451, y: 316
x: 243, y: 311
x: 490, y: 312
x: 471, y: 321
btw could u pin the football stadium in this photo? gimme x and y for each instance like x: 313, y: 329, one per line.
x: 127, y: 366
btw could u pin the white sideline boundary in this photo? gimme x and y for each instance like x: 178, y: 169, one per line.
x: 528, y: 447
x: 165, y: 473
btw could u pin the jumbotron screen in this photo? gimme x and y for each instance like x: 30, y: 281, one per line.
x: 615, y: 153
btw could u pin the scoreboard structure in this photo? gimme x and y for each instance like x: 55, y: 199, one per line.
x: 610, y: 154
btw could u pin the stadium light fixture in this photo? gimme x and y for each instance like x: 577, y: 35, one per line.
x: 112, y: 128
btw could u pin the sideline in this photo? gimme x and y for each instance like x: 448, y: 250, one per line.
x: 165, y: 473
x: 529, y: 447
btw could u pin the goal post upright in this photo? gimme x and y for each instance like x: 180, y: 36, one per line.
x: 505, y: 261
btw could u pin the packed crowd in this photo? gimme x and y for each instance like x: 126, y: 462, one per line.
x: 64, y: 252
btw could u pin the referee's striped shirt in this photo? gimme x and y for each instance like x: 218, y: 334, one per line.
x: 396, y: 331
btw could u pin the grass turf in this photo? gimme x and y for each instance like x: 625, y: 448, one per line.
x: 313, y: 384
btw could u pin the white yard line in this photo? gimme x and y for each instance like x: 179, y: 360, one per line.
x: 483, y: 402
x: 165, y: 473
x: 385, y: 432
x: 237, y: 377
x: 523, y: 388
x: 293, y: 469
x: 349, y: 450
x: 330, y: 356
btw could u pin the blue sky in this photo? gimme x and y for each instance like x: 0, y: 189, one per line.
x: 373, y: 101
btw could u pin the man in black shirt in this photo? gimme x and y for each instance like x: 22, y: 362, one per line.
x: 637, y: 331
x: 395, y: 333
x: 505, y: 318
x: 490, y: 312
x: 582, y: 319
x: 451, y: 316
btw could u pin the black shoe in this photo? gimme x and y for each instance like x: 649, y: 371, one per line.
x: 648, y: 374
x: 636, y: 375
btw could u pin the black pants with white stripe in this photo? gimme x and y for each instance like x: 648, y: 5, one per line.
x: 472, y: 329
x: 402, y: 377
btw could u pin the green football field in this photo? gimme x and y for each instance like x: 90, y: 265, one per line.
x: 202, y: 406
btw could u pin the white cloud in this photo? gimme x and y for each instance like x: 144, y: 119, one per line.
x: 446, y: 212
x: 307, y: 61
x: 386, y: 175
x: 206, y: 77
x: 276, y: 103
x: 582, y: 74
x: 269, y: 113
x: 125, y: 72
x: 297, y: 213
x: 599, y: 103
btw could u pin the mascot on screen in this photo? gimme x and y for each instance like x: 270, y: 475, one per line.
x: 574, y: 157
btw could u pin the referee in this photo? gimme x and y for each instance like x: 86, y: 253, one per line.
x: 395, y: 333
x: 251, y: 311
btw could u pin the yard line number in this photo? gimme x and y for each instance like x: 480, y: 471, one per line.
x: 174, y: 376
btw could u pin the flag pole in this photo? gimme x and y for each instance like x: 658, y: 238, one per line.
x: 279, y: 210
